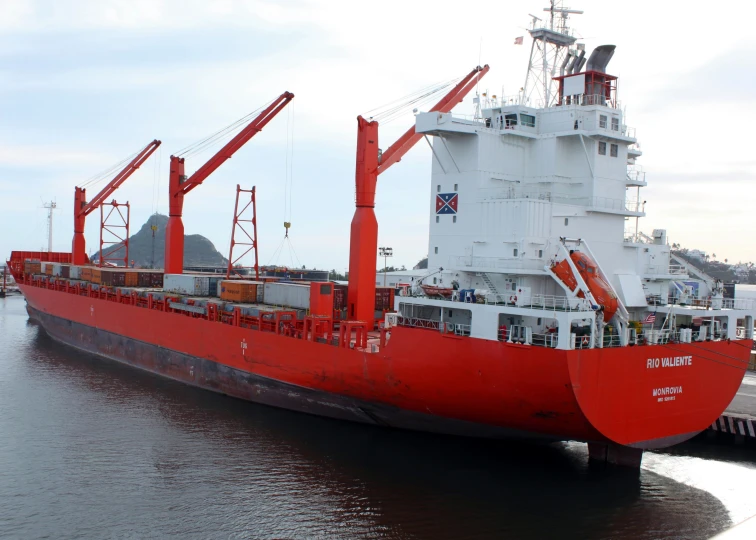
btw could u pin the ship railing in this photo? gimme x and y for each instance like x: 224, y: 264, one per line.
x: 581, y: 342
x: 636, y: 176
x: 539, y: 301
x: 548, y: 340
x: 661, y: 269
x: 462, y: 329
x: 707, y: 303
x: 468, y: 261
x: 620, y: 205
x: 417, y: 322
x: 581, y: 100
x: 611, y: 340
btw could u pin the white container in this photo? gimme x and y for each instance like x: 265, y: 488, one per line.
x: 57, y: 270
x: 186, y: 284
x: 75, y: 272
x: 287, y: 294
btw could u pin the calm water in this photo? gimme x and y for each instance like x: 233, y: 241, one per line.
x: 93, y: 449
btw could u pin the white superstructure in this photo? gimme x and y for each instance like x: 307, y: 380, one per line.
x: 514, y: 190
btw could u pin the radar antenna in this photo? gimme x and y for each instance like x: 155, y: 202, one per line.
x: 550, y: 47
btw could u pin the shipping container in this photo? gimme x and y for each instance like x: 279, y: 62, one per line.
x: 86, y: 273
x: 33, y: 267
x: 96, y: 275
x: 56, y: 270
x: 213, y: 280
x: 239, y: 290
x: 340, y: 296
x: 186, y: 284
x: 384, y: 298
x: 65, y: 270
x: 113, y: 277
x: 287, y: 294
x: 75, y: 272
x: 152, y: 279
x: 47, y: 268
x: 131, y: 278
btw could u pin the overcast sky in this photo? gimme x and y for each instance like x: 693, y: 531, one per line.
x: 85, y: 84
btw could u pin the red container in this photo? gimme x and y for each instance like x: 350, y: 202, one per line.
x: 321, y: 298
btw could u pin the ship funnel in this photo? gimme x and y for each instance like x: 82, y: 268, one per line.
x: 579, y: 59
x: 567, y: 57
x: 600, y: 58
x: 580, y: 62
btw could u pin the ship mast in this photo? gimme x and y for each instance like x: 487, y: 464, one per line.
x: 52, y: 205
x: 550, y: 47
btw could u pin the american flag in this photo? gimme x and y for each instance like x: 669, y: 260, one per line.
x: 650, y: 318
x: 518, y: 40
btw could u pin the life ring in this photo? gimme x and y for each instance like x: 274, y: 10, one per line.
x: 584, y: 341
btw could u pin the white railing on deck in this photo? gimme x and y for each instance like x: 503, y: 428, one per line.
x: 539, y: 301
x: 709, y: 303
x: 495, y: 262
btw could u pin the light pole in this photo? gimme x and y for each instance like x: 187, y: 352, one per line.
x: 385, y: 252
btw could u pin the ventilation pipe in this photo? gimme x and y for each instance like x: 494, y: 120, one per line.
x: 567, y: 57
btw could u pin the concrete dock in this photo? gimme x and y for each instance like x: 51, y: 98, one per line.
x: 740, y: 417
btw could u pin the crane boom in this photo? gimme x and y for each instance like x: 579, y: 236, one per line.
x: 82, y: 208
x: 403, y: 144
x: 179, y: 185
x: 363, y: 244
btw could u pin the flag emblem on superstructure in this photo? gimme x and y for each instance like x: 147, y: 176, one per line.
x: 650, y: 318
x: 446, y: 203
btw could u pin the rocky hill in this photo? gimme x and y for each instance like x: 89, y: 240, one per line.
x: 148, y: 250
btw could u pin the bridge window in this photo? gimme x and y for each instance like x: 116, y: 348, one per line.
x: 614, y: 150
x: 527, y: 120
x: 602, y: 121
x: 602, y: 148
x: 615, y: 124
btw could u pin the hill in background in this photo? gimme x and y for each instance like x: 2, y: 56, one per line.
x: 147, y: 250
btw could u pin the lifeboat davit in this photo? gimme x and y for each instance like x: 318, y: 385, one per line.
x: 601, y: 290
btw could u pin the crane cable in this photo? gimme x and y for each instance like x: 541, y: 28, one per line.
x: 288, y: 193
x: 107, y: 173
x: 394, y: 109
x: 223, y: 133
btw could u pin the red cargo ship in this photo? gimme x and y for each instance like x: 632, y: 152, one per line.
x: 526, y: 346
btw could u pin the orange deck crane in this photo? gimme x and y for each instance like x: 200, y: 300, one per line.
x: 82, y: 208
x: 363, y: 245
x: 179, y: 185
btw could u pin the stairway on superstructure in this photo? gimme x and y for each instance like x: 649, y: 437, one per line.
x: 489, y: 283
x: 692, y: 269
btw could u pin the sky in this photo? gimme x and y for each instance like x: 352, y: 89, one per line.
x: 84, y: 84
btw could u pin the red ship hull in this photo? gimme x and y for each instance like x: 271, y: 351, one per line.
x: 422, y: 379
